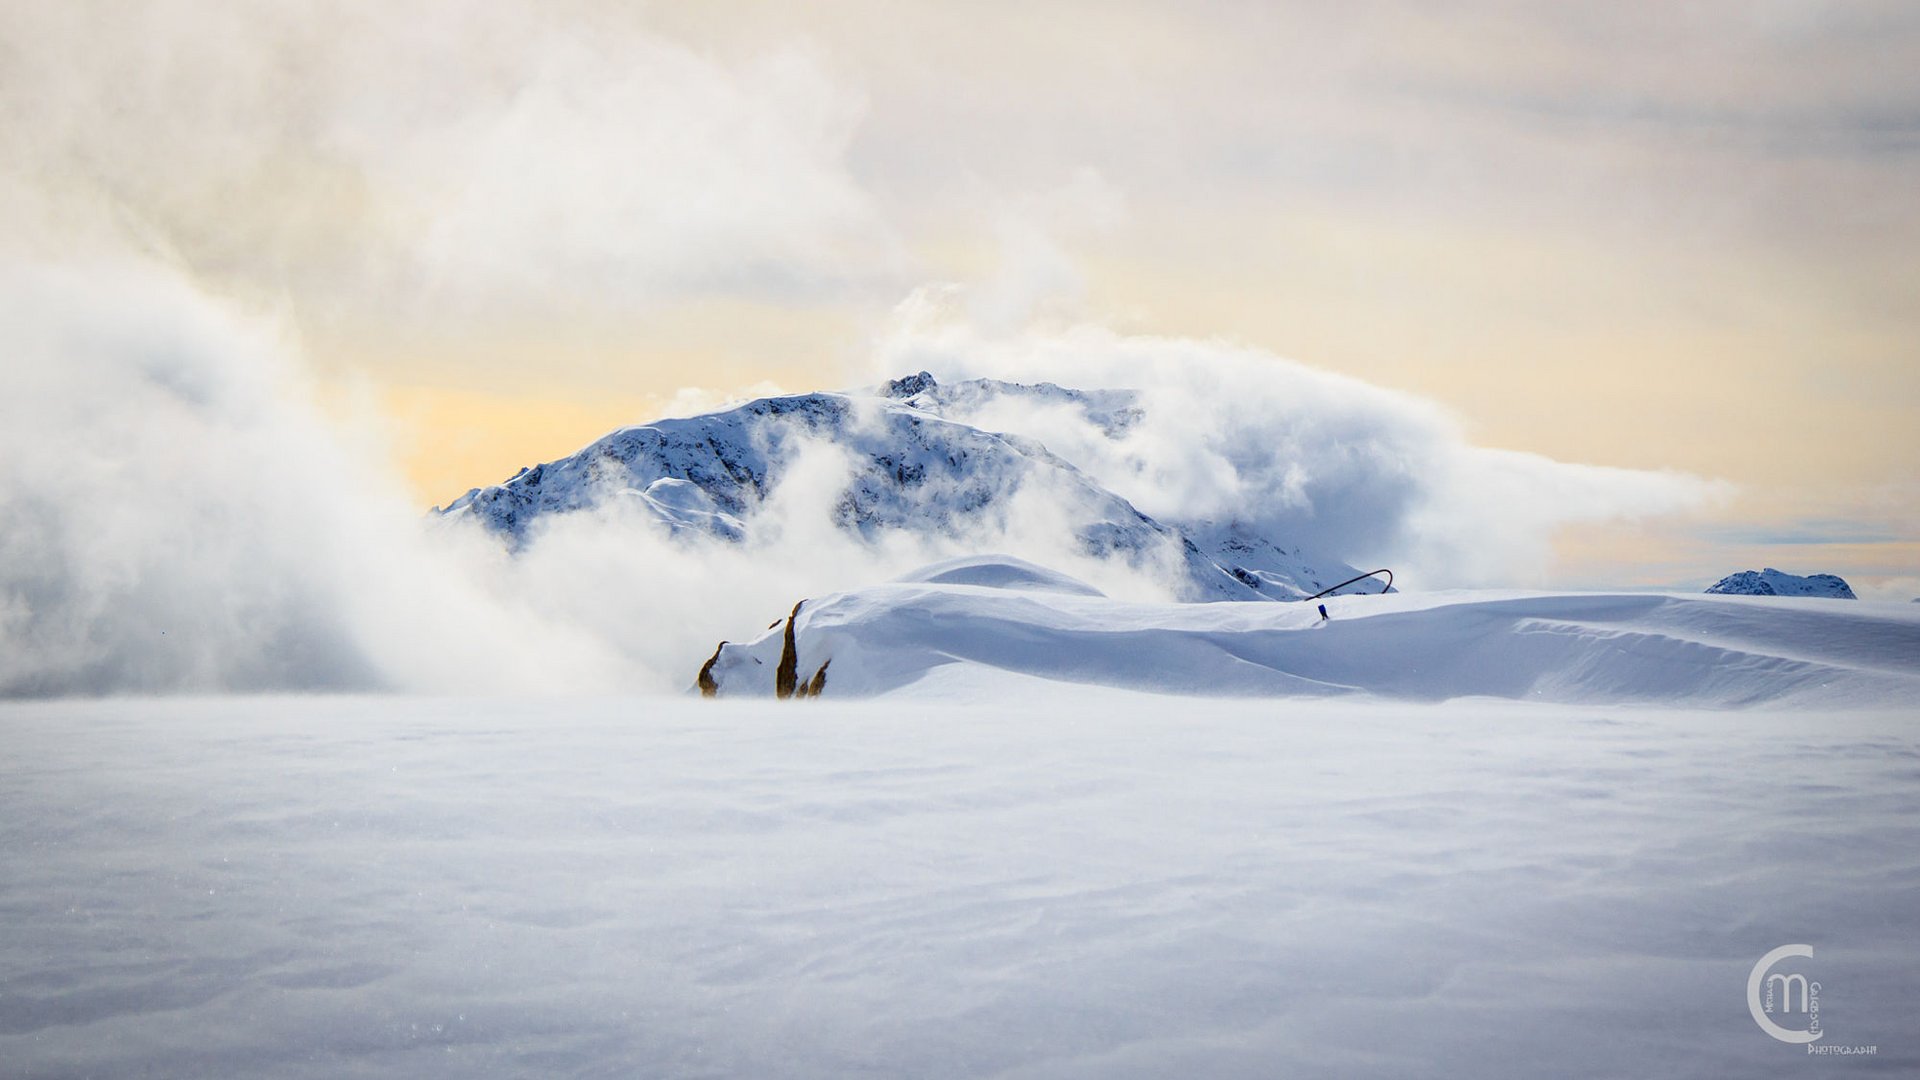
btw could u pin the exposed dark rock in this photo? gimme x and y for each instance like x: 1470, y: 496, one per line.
x: 709, y: 688
x: 786, y: 677
x: 907, y: 386
x: 1771, y: 582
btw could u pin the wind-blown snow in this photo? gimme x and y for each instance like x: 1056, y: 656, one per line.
x: 1111, y: 886
x: 940, y: 631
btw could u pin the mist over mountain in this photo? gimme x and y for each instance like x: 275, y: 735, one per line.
x: 910, y: 469
x: 183, y: 514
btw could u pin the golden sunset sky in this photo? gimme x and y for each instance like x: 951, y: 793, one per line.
x: 1663, y: 236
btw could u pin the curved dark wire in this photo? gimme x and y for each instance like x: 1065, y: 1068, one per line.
x: 1351, y: 580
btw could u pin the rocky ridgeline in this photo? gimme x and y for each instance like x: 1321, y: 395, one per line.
x: 1771, y: 582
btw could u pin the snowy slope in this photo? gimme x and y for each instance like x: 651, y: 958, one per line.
x: 1105, y: 887
x: 942, y: 634
x: 999, y: 572
x: 912, y: 470
x: 1771, y: 582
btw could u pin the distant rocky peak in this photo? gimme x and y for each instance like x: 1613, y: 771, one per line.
x: 908, y: 386
x: 1771, y: 582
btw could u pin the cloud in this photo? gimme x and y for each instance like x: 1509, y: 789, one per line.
x: 1036, y: 274
x: 460, y: 160
x: 176, y: 515
x: 633, y: 168
x: 1900, y: 589
x: 1332, y: 464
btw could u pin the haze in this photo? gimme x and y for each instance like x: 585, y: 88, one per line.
x: 1658, y: 237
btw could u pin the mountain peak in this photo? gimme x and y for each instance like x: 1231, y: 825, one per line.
x: 922, y: 463
x: 908, y: 385
x: 1771, y: 582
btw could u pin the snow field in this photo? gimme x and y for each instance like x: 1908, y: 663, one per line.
x: 1084, y: 882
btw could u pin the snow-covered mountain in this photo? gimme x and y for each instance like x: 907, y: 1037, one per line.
x: 1771, y: 582
x: 917, y: 464
x: 999, y: 628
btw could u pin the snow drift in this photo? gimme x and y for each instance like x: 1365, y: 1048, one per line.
x: 1088, y: 885
x: 988, y: 627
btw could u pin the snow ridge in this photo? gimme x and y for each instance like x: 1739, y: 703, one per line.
x: 982, y: 634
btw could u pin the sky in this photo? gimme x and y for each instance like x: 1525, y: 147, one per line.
x: 1673, y: 237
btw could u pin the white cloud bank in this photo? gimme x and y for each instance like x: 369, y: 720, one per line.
x: 1330, y: 463
x: 176, y: 514
x: 179, y: 516
x: 442, y: 159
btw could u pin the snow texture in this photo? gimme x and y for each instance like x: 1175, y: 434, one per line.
x: 913, y: 468
x: 1771, y: 582
x: 1086, y: 885
x: 986, y: 628
x: 999, y: 572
